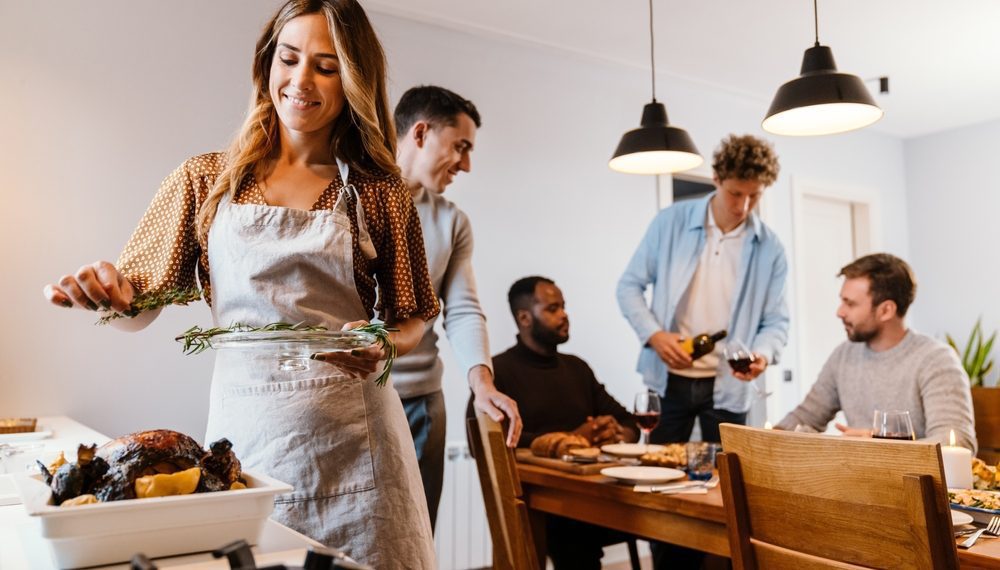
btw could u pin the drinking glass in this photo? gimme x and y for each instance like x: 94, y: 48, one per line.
x: 892, y: 424
x: 701, y: 459
x: 647, y: 413
x: 19, y: 458
x: 740, y: 358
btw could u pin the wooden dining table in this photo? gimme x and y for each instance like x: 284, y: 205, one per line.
x: 693, y: 520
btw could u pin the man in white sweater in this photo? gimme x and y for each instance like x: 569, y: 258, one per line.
x: 436, y: 131
x: 885, y: 365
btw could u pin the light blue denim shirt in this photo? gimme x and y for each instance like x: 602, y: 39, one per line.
x: 666, y: 260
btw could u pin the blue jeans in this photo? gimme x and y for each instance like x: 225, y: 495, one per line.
x: 427, y: 420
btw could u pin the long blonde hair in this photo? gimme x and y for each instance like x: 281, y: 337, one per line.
x: 363, y: 134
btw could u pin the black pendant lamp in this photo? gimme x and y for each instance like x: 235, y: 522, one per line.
x: 820, y: 101
x: 655, y: 147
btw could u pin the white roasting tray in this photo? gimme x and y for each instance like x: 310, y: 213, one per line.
x: 105, y: 533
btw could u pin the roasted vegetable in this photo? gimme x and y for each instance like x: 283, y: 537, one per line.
x: 73, y: 479
x: 80, y: 500
x: 220, y: 467
x: 166, y: 485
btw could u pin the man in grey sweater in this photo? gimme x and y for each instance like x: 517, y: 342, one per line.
x: 885, y: 365
x: 436, y: 131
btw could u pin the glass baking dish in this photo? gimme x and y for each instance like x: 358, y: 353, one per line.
x: 292, y: 350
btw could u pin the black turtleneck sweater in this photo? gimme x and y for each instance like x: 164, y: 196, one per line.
x: 553, y: 393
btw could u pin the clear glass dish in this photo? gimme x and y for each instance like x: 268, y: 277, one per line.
x: 293, y: 350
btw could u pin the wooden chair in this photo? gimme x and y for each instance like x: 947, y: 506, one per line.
x: 507, y: 514
x: 986, y: 404
x: 803, y: 501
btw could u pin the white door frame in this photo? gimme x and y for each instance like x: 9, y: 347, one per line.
x: 869, y: 230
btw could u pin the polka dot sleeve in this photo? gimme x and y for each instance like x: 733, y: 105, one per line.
x: 163, y: 252
x: 404, y: 282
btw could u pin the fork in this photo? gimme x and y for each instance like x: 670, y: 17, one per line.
x: 993, y: 528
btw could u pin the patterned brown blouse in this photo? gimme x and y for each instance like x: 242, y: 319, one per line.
x: 163, y: 252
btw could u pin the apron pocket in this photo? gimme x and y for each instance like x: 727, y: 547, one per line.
x: 311, y: 433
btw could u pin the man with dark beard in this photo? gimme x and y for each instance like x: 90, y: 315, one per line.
x: 558, y: 392
x: 885, y: 365
x: 553, y: 391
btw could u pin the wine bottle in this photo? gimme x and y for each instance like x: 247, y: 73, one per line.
x: 702, y: 344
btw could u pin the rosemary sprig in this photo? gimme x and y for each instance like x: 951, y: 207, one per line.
x: 381, y: 333
x: 149, y: 301
x: 197, y: 339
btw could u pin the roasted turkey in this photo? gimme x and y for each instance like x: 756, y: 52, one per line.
x: 144, y: 453
x: 111, y: 472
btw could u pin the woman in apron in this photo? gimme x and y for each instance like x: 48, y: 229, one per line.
x: 304, y: 219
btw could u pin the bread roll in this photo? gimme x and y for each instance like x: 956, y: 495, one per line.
x: 557, y: 444
x: 542, y: 444
x: 588, y: 452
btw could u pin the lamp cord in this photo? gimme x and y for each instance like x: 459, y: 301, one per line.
x: 816, y: 20
x: 652, y: 58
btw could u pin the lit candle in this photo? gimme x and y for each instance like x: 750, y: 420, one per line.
x: 767, y: 425
x: 957, y: 465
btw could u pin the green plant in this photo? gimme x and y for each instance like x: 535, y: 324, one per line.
x: 976, y: 357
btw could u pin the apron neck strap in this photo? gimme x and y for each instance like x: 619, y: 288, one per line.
x: 345, y: 169
x: 364, y: 238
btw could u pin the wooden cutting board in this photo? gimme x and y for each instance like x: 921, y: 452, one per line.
x: 525, y: 456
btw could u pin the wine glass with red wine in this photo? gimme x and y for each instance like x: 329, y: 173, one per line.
x: 740, y: 358
x: 647, y: 413
x: 893, y: 424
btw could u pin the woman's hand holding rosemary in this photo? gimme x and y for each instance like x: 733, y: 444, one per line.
x: 153, y: 300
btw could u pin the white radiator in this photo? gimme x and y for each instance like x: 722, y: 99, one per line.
x: 462, y: 535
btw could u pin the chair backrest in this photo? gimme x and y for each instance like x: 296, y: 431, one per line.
x: 507, y: 514
x: 804, y: 501
x: 986, y: 404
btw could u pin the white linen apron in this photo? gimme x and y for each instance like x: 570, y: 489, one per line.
x: 340, y: 440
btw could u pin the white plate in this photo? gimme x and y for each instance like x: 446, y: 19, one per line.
x: 958, y: 517
x: 39, y: 433
x: 631, y: 449
x: 642, y: 475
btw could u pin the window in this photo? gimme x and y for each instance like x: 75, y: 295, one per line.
x: 689, y: 187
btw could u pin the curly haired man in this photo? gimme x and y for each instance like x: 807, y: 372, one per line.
x: 712, y: 265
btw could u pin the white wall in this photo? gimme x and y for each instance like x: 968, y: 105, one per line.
x: 953, y: 203
x: 101, y: 100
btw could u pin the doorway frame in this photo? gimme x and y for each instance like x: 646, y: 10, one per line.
x: 868, y: 227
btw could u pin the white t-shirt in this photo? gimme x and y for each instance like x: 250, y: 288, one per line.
x: 706, y: 306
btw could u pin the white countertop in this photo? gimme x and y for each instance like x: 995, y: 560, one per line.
x: 23, y: 548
